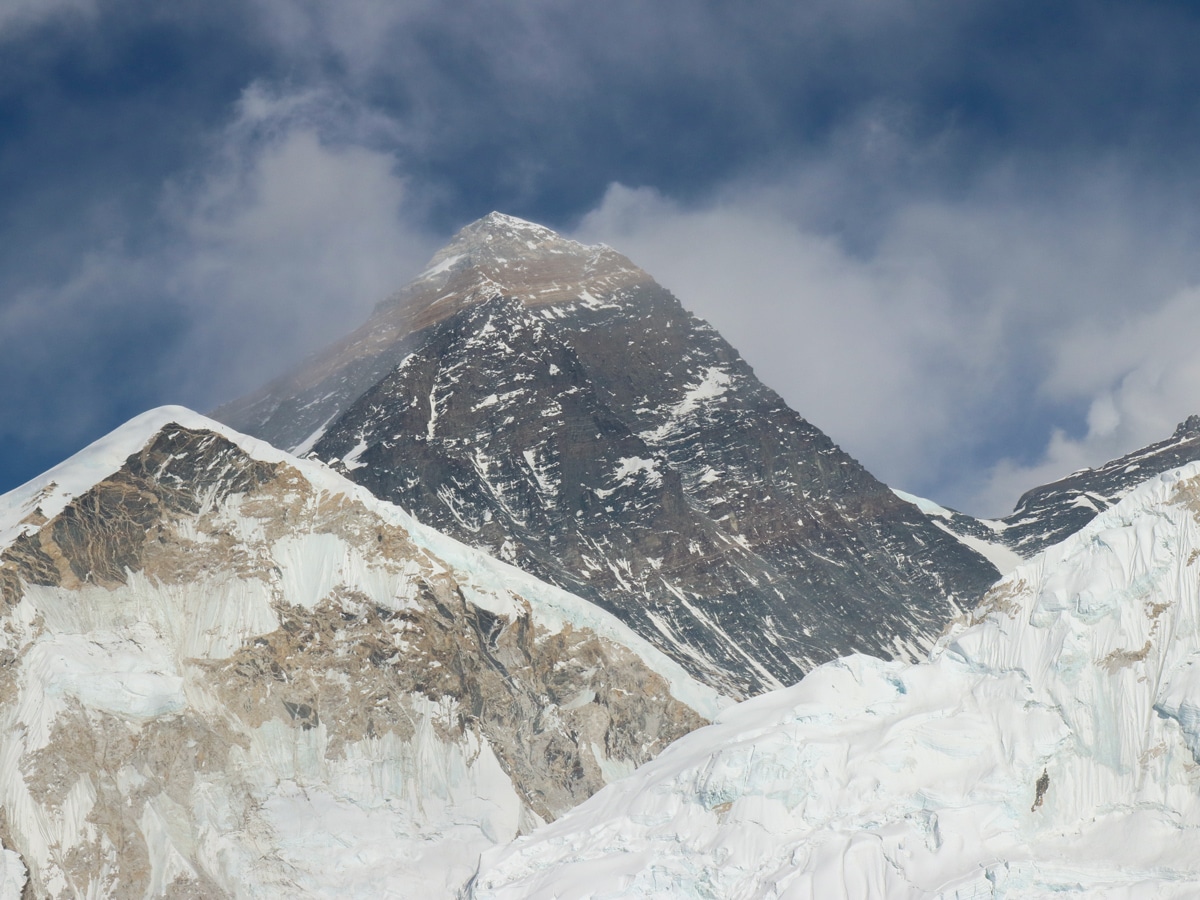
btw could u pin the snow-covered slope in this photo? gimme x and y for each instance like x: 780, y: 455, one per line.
x: 229, y: 672
x: 980, y: 535
x: 1050, y: 747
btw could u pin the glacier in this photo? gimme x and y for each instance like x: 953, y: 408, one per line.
x: 1048, y: 747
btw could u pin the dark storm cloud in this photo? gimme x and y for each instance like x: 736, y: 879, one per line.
x: 194, y: 194
x: 538, y: 106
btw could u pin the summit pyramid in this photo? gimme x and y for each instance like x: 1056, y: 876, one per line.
x: 548, y: 402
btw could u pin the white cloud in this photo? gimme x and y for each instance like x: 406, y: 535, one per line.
x: 277, y: 243
x: 19, y: 14
x: 1138, y: 381
x: 963, y: 324
x: 289, y: 242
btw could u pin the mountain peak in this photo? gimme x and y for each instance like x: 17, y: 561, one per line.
x: 1189, y: 427
x: 501, y: 255
x: 496, y: 256
x: 519, y: 257
x: 500, y: 241
x: 501, y: 225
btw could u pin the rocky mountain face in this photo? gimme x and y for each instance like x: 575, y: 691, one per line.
x: 1050, y: 747
x: 229, y: 672
x: 549, y: 403
x: 1048, y: 514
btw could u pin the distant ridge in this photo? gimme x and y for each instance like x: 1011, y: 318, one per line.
x: 1048, y: 514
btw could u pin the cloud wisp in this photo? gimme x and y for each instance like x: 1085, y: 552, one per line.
x: 281, y: 240
x: 291, y: 238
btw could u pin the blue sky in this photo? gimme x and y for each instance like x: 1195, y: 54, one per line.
x: 961, y: 238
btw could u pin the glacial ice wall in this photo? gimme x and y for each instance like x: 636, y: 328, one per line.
x: 1048, y: 748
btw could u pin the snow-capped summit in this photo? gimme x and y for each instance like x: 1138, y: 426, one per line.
x: 498, y: 238
x: 231, y: 672
x: 550, y: 403
x: 504, y: 255
x: 1049, y: 748
x: 498, y: 223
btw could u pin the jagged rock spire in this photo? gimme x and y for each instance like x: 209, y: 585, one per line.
x: 1189, y: 427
